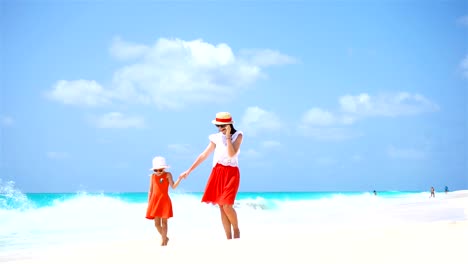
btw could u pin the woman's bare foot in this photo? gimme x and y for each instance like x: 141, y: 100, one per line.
x: 236, y: 233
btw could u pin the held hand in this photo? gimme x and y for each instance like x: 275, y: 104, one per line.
x: 184, y: 174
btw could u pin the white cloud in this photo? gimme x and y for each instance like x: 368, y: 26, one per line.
x: 408, y: 153
x: 256, y: 120
x: 354, y: 104
x: 326, y: 125
x: 354, y: 107
x: 172, y: 73
x: 6, y: 121
x: 118, y: 120
x: 79, y: 92
x: 318, y: 117
x: 391, y: 105
x: 125, y: 50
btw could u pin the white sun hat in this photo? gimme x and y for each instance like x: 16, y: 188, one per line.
x: 159, y: 163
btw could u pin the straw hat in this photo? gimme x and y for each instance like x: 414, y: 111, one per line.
x: 159, y: 163
x: 223, y: 118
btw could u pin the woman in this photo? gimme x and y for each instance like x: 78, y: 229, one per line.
x: 223, y: 184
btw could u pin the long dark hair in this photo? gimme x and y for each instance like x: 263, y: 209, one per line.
x: 233, y: 130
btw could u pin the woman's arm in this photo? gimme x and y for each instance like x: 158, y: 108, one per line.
x: 202, y: 157
x: 233, y: 147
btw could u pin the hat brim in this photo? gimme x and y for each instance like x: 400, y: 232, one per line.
x: 160, y: 167
x: 222, y: 123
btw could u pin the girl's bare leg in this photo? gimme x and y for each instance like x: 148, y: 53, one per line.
x: 164, y: 231
x: 158, y: 222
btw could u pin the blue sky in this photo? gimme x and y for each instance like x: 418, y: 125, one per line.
x: 330, y: 95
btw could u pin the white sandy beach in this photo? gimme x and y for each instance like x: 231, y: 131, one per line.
x: 436, y: 242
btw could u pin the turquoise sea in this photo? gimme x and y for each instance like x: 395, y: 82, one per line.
x: 259, y: 200
x: 34, y: 220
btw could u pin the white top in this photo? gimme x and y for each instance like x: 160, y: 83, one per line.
x: 220, y: 153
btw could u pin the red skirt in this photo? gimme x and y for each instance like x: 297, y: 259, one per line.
x: 222, y: 186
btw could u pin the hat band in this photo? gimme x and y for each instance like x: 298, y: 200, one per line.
x: 223, y: 119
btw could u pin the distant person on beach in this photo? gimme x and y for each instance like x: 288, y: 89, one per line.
x: 432, y: 192
x: 159, y: 203
x: 375, y: 192
x: 223, y: 184
x: 446, y: 189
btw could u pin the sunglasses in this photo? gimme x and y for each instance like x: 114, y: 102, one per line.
x: 159, y: 170
x: 221, y: 125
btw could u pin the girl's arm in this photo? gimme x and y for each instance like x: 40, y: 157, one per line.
x: 171, y: 181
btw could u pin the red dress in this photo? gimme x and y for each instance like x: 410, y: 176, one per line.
x: 159, y: 202
x: 222, y: 186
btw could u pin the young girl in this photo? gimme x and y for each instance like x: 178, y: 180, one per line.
x: 159, y: 202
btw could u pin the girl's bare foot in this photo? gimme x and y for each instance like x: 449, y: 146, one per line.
x: 165, y: 241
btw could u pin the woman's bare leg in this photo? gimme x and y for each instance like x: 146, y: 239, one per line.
x: 229, y: 218
x: 226, y: 223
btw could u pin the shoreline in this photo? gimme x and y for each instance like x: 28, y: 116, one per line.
x: 392, y: 242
